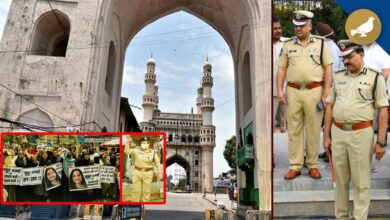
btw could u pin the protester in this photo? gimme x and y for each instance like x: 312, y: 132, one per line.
x: 23, y: 193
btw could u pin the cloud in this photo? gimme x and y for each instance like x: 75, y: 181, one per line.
x: 173, y: 67
x: 133, y: 75
x: 222, y: 64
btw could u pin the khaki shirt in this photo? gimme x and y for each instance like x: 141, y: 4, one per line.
x: 351, y: 95
x: 303, y: 61
x: 143, y: 159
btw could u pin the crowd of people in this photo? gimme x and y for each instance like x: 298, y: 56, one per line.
x: 69, y: 185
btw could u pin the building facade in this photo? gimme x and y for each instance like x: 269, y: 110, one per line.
x: 190, y: 137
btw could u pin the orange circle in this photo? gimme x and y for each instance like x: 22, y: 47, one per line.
x: 363, y: 26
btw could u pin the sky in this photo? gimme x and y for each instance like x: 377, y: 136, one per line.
x: 180, y: 44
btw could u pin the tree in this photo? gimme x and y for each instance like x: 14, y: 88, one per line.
x: 229, y: 153
x: 182, y: 183
x: 326, y: 11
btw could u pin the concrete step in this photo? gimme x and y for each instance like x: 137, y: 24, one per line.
x: 305, y: 183
x: 320, y: 203
x: 304, y: 197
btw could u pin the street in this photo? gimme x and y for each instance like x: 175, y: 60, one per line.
x: 185, y: 206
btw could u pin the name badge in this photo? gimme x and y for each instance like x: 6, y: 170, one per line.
x: 365, y: 83
x: 313, y: 50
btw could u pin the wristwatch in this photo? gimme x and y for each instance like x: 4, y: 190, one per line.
x: 381, y: 144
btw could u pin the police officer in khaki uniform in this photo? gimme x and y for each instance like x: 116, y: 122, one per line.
x: 144, y: 160
x: 356, y: 92
x: 306, y: 63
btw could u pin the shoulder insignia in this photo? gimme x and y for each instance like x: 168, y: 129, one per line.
x: 318, y: 37
x: 289, y: 39
x: 343, y: 70
x: 284, y: 39
x: 374, y: 70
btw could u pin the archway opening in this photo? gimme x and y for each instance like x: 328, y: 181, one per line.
x: 178, y: 174
x: 51, y: 35
x: 36, y: 117
x: 174, y: 54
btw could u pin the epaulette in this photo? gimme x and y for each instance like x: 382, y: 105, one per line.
x: 319, y: 37
x: 375, y: 70
x: 289, y: 39
x: 342, y: 70
x: 283, y: 39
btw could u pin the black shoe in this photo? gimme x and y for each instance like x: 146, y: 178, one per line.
x: 323, y: 155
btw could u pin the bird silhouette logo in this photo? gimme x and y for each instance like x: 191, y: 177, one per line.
x: 364, y: 28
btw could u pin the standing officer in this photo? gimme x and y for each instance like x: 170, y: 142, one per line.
x: 305, y: 62
x: 144, y: 160
x: 356, y: 92
x: 277, y: 41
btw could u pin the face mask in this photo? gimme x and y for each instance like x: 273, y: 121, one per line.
x: 144, y: 146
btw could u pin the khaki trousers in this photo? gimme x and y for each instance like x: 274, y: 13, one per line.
x: 141, y: 185
x: 352, y: 156
x: 302, y: 113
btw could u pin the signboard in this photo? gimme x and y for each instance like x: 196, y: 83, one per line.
x: 31, y: 176
x: 52, y: 176
x: 84, y: 178
x: 107, y: 174
x: 12, y: 176
x: 131, y: 211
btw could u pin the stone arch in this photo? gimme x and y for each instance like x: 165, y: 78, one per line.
x: 176, y: 158
x: 227, y: 17
x: 36, y: 117
x: 50, y: 34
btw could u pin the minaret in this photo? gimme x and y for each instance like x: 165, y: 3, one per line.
x: 156, y: 94
x: 199, y: 99
x: 207, y: 130
x: 149, y: 102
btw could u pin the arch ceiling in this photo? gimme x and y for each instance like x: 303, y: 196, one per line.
x: 179, y: 160
x: 225, y: 16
